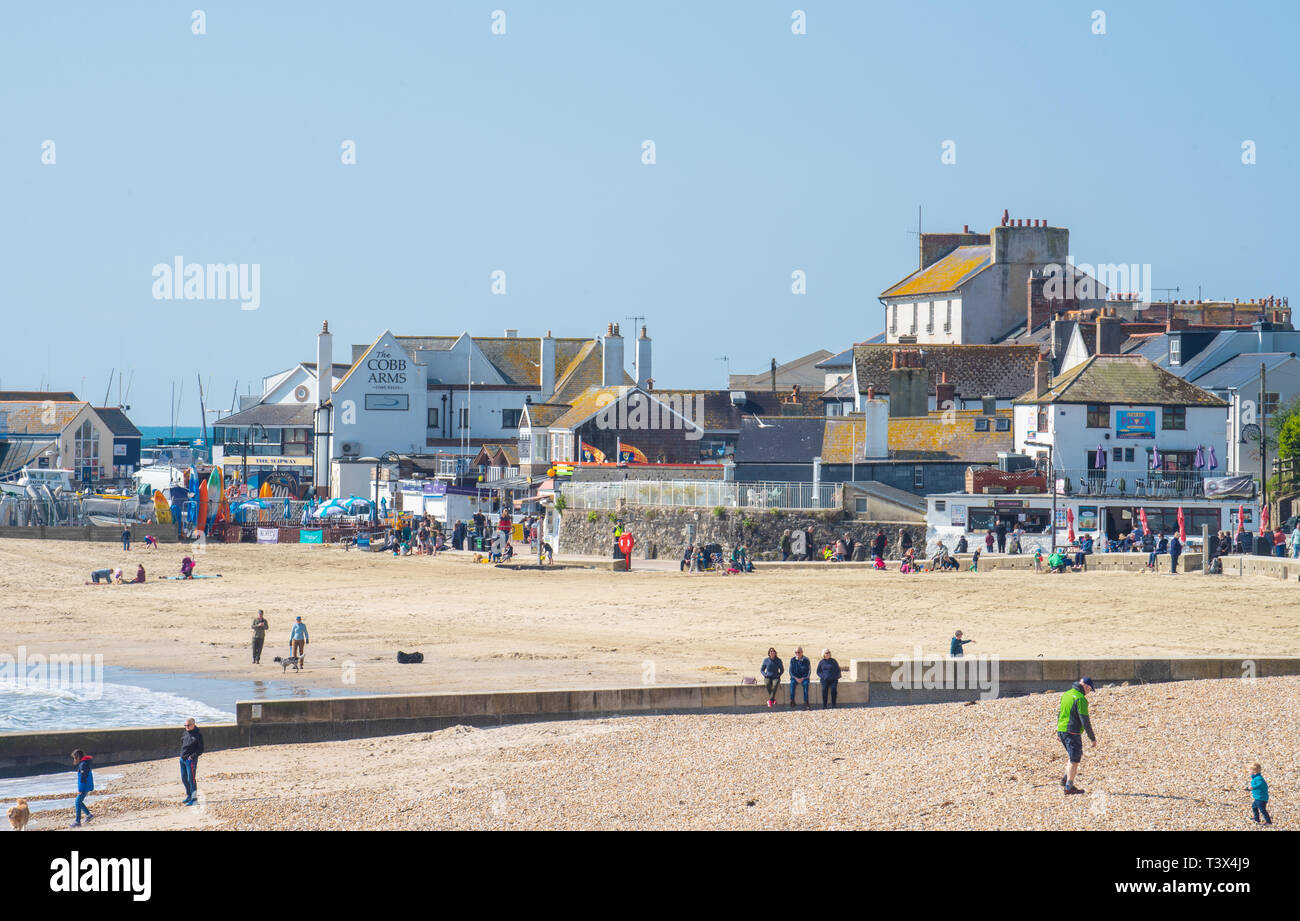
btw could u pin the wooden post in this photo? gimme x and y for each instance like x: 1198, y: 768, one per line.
x: 1205, y: 549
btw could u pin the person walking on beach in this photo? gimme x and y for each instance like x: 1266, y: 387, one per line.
x: 298, y: 640
x: 772, y: 668
x: 191, y: 748
x: 1001, y: 532
x: 800, y: 674
x: 785, y: 545
x: 904, y: 542
x: 126, y: 538
x: 879, y: 544
x: 828, y: 673
x: 1259, y: 795
x: 259, y: 636
x: 955, y: 645
x: 1072, y: 721
x: 86, y: 784
x: 810, y: 543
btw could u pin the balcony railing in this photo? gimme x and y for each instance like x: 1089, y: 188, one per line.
x: 1147, y: 484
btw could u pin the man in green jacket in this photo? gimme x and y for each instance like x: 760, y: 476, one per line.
x: 1072, y: 721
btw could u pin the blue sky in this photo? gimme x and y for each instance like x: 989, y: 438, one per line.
x: 522, y: 152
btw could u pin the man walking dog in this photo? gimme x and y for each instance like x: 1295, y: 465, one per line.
x: 1072, y: 721
x: 298, y: 640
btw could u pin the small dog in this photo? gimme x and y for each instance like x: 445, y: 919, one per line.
x: 18, y: 815
x: 287, y: 661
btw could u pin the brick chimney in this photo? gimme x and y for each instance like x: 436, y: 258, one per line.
x: 944, y: 393
x: 1042, y: 376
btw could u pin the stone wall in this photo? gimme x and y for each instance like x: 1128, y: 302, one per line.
x: 661, y: 533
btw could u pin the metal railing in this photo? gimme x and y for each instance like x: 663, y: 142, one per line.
x: 703, y: 494
x: 499, y: 473
x: 1148, y: 484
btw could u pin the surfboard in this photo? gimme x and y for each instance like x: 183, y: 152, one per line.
x: 201, y: 511
x: 214, y: 494
x: 161, y: 510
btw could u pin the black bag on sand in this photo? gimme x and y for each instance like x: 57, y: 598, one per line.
x: 409, y: 658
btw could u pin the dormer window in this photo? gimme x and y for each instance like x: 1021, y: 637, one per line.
x: 1175, y: 351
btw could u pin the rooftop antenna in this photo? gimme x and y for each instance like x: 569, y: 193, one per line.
x: 727, y: 363
x: 637, y: 323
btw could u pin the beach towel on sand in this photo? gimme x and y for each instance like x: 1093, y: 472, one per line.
x: 410, y: 658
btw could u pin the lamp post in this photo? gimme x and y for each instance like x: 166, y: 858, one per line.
x: 386, y: 457
x: 248, y: 434
x: 1051, y: 473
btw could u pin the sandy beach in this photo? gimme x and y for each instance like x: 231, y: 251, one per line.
x: 481, y: 628
x: 1170, y: 756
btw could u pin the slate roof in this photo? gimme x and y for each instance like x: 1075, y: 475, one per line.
x: 271, y: 414
x: 947, y: 274
x: 37, y: 396
x: 1006, y: 371
x: 1127, y: 379
x: 1241, y: 369
x: 785, y: 440
x: 117, y: 422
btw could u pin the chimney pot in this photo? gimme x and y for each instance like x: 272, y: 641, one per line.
x: 609, y: 330
x: 965, y: 228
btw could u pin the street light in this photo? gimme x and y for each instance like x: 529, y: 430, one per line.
x: 248, y: 433
x: 386, y: 457
x: 1051, y: 473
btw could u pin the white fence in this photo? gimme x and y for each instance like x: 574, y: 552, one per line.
x: 703, y: 494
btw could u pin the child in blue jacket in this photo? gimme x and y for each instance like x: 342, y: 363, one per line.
x: 1259, y: 795
x: 85, y: 784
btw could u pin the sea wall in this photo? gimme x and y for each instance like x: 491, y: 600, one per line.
x: 662, y: 533
x: 874, y: 682
x: 41, y: 752
x: 165, y: 533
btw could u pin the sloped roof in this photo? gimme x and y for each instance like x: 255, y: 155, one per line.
x: 841, y: 391
x: 843, y: 360
x: 38, y: 417
x: 117, y: 422
x: 591, y: 401
x: 37, y: 396
x: 1129, y: 379
x: 947, y: 274
x: 542, y: 414
x: 944, y: 436
x: 801, y: 370
x: 784, y: 440
x: 1241, y: 369
x: 271, y: 414
x: 1006, y: 371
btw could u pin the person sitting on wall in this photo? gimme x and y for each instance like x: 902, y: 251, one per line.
x: 686, y: 557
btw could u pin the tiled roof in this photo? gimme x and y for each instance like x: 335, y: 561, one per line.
x: 591, y: 401
x: 799, y: 370
x: 1005, y: 371
x: 506, y: 455
x: 117, y: 422
x: 542, y: 414
x: 518, y: 359
x: 939, y: 436
x: 1129, y: 379
x: 44, y: 417
x: 947, y: 274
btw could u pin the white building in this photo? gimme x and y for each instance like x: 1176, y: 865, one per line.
x: 1115, y: 436
x: 973, y: 288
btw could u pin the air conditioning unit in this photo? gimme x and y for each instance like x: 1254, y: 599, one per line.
x: 351, y: 449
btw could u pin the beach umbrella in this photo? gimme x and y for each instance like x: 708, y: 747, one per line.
x: 1263, y: 520
x: 1142, y: 516
x: 1212, y: 462
x: 1199, y: 462
x: 1100, y: 462
x: 1182, y: 532
x: 1069, y: 519
x: 1241, y: 517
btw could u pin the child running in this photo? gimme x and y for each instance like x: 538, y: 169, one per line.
x: 1259, y: 795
